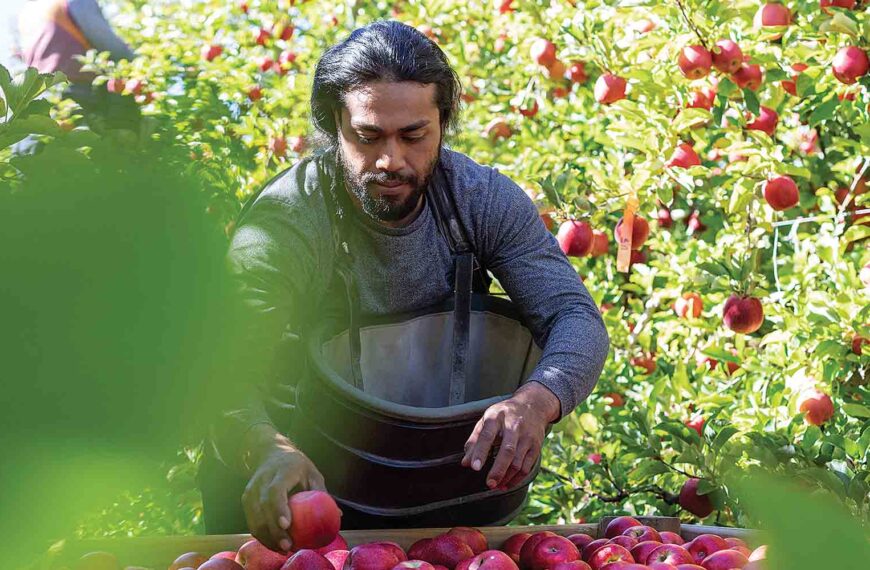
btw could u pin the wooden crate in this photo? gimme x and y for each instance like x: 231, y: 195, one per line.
x: 158, y: 552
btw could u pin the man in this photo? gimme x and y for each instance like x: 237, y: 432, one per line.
x: 384, y: 99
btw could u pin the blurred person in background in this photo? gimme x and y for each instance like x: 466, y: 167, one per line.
x: 52, y: 33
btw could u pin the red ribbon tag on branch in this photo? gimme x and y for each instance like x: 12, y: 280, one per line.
x: 623, y: 256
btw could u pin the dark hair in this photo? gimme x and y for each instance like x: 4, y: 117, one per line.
x: 382, y: 51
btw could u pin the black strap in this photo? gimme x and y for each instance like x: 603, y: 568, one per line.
x: 461, y: 328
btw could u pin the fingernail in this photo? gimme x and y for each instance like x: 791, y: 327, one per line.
x: 476, y: 465
x: 285, y: 545
x: 491, y: 483
x: 283, y: 523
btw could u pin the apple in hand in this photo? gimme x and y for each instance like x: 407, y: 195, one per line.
x: 316, y: 518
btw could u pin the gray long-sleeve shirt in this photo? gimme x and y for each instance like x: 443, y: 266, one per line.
x: 283, y: 253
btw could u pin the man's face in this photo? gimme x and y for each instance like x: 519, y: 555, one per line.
x: 389, y: 142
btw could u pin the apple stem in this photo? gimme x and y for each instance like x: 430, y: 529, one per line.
x: 691, y: 24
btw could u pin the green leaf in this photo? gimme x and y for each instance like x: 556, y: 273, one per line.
x: 705, y: 487
x: 824, y: 111
x: 751, y: 100
x: 649, y: 469
x: 725, y: 434
x: 856, y: 410
x: 806, y: 85
x: 857, y: 233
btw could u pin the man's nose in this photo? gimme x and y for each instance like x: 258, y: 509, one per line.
x: 391, y: 158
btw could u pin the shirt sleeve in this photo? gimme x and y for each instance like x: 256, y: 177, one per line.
x: 275, y: 259
x: 90, y: 20
x: 564, y: 320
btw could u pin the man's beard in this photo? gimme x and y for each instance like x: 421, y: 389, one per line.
x: 379, y: 207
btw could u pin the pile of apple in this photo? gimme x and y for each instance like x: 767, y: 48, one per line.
x: 627, y: 545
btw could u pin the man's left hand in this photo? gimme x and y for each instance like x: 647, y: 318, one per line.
x: 520, y: 423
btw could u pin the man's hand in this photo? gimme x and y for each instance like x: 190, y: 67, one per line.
x: 520, y: 423
x: 278, y: 468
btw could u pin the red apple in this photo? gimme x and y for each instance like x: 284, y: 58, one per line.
x: 609, y: 89
x: 543, y: 52
x: 590, y: 548
x: 669, y: 537
x: 689, y: 305
x: 725, y: 560
x: 664, y: 218
x: 790, y: 85
x: 627, y: 542
x: 447, y: 550
x: 492, y: 560
x: 278, y: 146
x: 816, y: 406
x: 189, y: 560
x: 575, y: 238
x: 858, y: 343
x: 210, y: 52
x: 743, y: 314
x: 825, y: 4
x: 573, y: 565
x: 577, y: 72
x: 765, y: 122
x: 696, y: 423
x: 472, y: 537
x: 547, y: 551
x: 338, y: 543
x: 306, y: 559
x: 98, y: 560
x: 514, y: 544
x: 695, y: 61
x: 287, y: 32
x: 255, y: 93
x: 530, y: 110
x: 643, y: 533
x: 772, y: 15
x: 639, y: 232
x: 749, y: 76
x: 689, y: 567
x: 262, y: 36
x: 221, y: 564
x: 699, y: 100
x: 781, y: 193
x: 287, y: 57
x: 465, y: 564
x: 615, y: 399
x: 684, y: 157
x: 644, y: 26
x: 623, y: 565
x: 661, y: 566
x: 694, y: 223
x: 265, y: 63
x: 316, y: 518
x: 255, y: 556
x: 337, y: 558
x: 727, y: 56
x: 704, y: 545
x: 734, y: 542
x: 556, y: 70
x: 228, y: 554
x: 413, y: 565
x: 594, y: 458
x: 690, y: 500
x: 600, y: 244
x: 580, y: 539
x: 498, y: 128
x: 850, y: 64
x: 670, y: 554
x: 609, y: 553
x: 373, y: 556
x: 642, y: 550
x: 418, y: 549
x: 619, y: 525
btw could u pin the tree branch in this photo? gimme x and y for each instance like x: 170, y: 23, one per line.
x: 691, y: 24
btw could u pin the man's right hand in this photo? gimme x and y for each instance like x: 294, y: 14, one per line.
x: 278, y: 468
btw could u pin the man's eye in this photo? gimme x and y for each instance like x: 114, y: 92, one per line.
x: 415, y: 139
x: 364, y: 140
